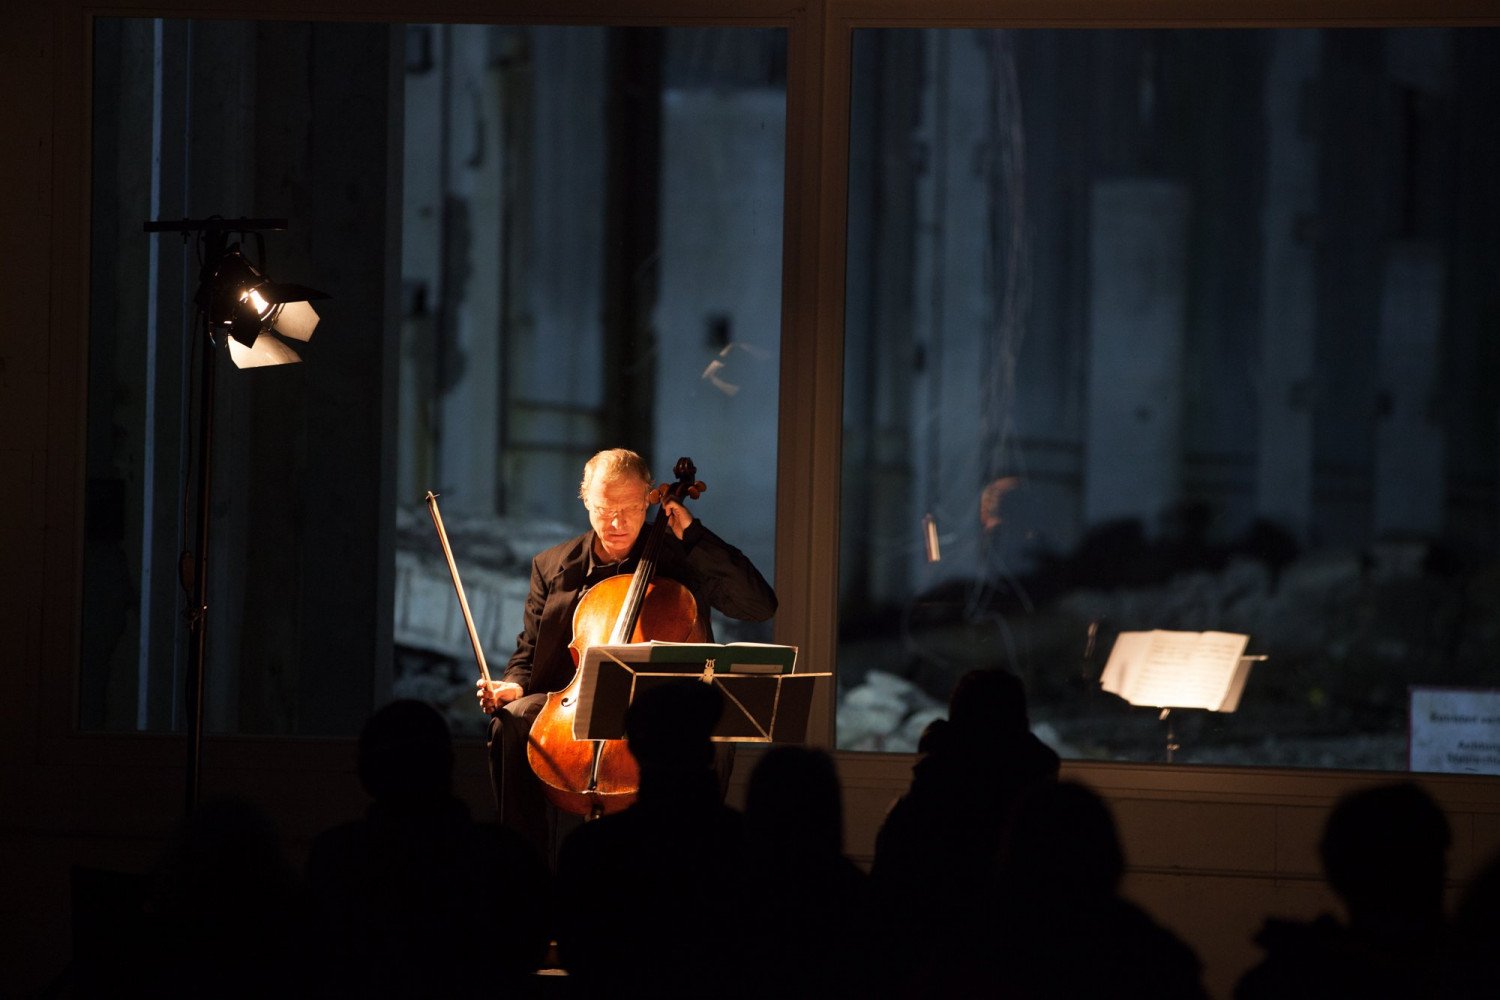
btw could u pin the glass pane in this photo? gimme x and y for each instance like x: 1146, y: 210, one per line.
x: 537, y: 242
x: 1187, y: 331
x: 626, y: 243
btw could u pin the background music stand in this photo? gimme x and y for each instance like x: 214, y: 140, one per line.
x: 1166, y: 669
x: 764, y: 700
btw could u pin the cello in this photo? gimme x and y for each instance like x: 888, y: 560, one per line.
x: 591, y: 778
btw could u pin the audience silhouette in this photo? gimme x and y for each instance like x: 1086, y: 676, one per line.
x: 1475, y: 953
x: 652, y: 899
x: 416, y: 899
x: 1384, y: 853
x: 220, y: 909
x: 991, y: 879
x: 1060, y: 928
x: 937, y: 851
x: 811, y: 915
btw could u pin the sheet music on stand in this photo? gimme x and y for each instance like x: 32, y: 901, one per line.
x: 765, y: 700
x: 1165, y: 669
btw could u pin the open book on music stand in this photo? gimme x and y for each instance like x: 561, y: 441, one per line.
x: 1165, y: 670
x: 765, y: 701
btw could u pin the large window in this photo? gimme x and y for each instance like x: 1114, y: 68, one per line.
x: 1179, y: 330
x: 538, y: 242
x: 1172, y: 330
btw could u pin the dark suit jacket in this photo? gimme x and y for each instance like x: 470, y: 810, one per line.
x: 718, y: 575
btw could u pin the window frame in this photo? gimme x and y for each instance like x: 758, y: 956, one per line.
x: 819, y: 63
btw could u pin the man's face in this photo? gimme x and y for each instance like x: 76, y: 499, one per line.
x: 617, y: 510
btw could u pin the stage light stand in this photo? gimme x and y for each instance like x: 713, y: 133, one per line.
x: 235, y: 302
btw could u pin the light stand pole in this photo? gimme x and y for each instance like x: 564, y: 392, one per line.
x: 198, y: 611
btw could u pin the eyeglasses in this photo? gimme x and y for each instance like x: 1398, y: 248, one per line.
x: 612, y: 513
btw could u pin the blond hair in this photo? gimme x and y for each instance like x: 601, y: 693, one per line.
x: 613, y: 464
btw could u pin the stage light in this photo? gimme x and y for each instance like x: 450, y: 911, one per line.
x: 254, y: 312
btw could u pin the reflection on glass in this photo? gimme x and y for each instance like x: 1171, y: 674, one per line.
x: 540, y: 242
x: 1177, y: 331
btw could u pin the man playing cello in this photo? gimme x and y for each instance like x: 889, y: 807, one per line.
x: 615, y: 489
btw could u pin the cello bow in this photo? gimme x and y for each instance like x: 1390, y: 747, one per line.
x: 458, y: 585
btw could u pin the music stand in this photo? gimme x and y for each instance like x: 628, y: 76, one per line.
x: 765, y: 701
x: 1166, y: 669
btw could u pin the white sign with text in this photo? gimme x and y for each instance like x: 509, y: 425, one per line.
x: 1455, y: 730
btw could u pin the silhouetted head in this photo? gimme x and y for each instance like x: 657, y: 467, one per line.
x: 668, y: 726
x: 406, y: 753
x: 985, y: 704
x: 794, y: 799
x: 1385, y: 849
x: 1063, y: 845
x: 225, y: 862
x: 988, y: 700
